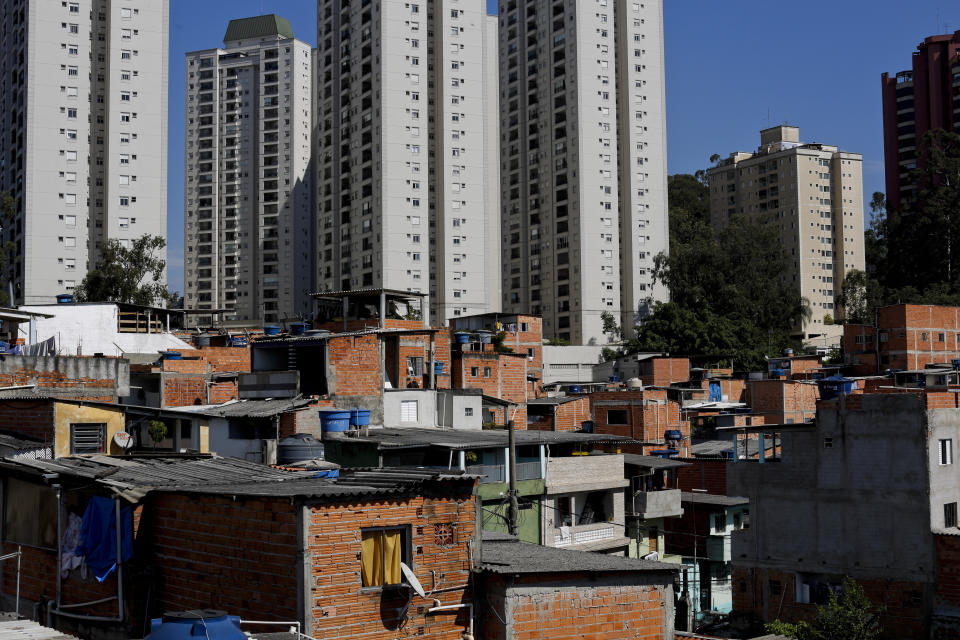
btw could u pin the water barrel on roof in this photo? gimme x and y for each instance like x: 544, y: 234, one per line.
x: 65, y: 298
x: 209, y: 624
x: 271, y: 330
x: 299, y: 447
x: 299, y: 328
x: 835, y: 386
x: 334, y: 422
x: 461, y: 337
x: 485, y: 336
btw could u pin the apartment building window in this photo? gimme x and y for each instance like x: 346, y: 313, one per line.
x: 73, y: 71
x: 946, y: 451
x: 126, y: 13
x: 126, y: 54
x: 381, y: 552
x: 74, y: 7
x: 950, y: 515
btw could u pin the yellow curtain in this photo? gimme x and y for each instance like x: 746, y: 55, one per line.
x: 391, y: 557
x: 371, y: 563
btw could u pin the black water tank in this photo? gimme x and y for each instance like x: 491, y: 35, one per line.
x: 299, y: 446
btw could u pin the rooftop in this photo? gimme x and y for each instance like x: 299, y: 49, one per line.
x: 248, y: 408
x: 29, y: 630
x: 711, y: 499
x: 554, y: 400
x: 258, y: 27
x: 652, y: 462
x: 457, y: 439
x: 502, y: 556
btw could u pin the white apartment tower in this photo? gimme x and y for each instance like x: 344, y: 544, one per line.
x: 406, y: 152
x: 248, y: 185
x: 83, y: 117
x: 583, y: 161
x: 814, y: 193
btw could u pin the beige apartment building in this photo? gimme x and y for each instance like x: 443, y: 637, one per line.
x: 583, y: 162
x: 83, y: 117
x: 815, y: 193
x: 248, y: 187
x: 407, y: 190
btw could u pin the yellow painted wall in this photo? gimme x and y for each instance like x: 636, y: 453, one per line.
x: 65, y: 414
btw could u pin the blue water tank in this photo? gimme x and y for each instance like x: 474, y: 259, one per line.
x: 777, y: 372
x: 575, y: 388
x: 271, y: 330
x: 359, y: 417
x: 587, y: 426
x: 208, y: 624
x: 673, y: 434
x: 438, y: 367
x: 65, y: 298
x: 461, y: 337
x: 835, y: 386
x: 334, y: 420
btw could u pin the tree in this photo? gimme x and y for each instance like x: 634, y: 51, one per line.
x: 847, y: 616
x: 158, y: 432
x: 610, y: 326
x: 133, y: 275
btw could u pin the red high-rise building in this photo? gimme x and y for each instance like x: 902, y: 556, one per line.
x: 926, y: 97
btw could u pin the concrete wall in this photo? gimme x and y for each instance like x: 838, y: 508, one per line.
x: 452, y: 411
x: 66, y: 414
x: 426, y: 407
x: 71, y: 376
x: 854, y: 507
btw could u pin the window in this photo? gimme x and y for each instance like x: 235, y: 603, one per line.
x: 475, y: 372
x: 946, y: 451
x: 415, y: 366
x: 617, y: 416
x: 950, y: 515
x: 88, y: 437
x: 381, y: 552
x: 408, y: 411
x: 468, y: 412
x: 720, y: 522
x: 486, y: 372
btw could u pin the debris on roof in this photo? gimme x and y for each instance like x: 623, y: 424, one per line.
x: 521, y: 557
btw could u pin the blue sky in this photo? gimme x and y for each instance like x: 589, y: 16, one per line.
x: 732, y: 68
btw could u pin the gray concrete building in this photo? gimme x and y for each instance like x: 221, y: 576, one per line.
x: 83, y: 115
x: 869, y: 490
x: 248, y: 184
x: 814, y: 192
x: 406, y: 148
x: 583, y: 162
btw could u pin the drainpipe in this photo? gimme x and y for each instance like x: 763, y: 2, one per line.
x: 433, y: 372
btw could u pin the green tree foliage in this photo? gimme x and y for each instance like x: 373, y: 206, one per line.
x: 133, y: 275
x: 728, y: 293
x: 610, y: 326
x: 913, y: 254
x: 846, y: 616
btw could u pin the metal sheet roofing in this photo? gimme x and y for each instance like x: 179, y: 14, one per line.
x: 29, y: 630
x: 520, y: 557
x: 249, y: 408
x: 712, y: 499
x: 412, y: 438
x: 258, y: 27
x: 653, y: 462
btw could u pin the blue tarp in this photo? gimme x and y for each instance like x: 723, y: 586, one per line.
x: 330, y: 473
x: 98, y: 538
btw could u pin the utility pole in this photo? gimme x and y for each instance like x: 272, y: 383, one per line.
x: 513, y: 514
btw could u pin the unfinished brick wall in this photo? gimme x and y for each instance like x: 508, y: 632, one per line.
x: 218, y: 552
x: 354, y: 365
x: 649, y: 413
x: 342, y: 608
x: 572, y: 606
x: 782, y: 401
x: 181, y: 391
x: 88, y: 388
x: 769, y: 594
x: 704, y: 473
x: 30, y: 418
x: 227, y: 358
x: 663, y: 371
x: 570, y: 415
x: 507, y: 374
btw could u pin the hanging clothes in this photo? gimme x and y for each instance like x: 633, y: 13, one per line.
x: 68, y: 544
x: 98, y: 539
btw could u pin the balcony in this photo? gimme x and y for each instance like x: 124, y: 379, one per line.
x: 657, y: 504
x: 599, y: 534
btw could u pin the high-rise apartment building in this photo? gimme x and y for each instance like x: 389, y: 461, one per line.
x: 406, y: 151
x: 814, y: 192
x: 83, y: 117
x: 248, y: 184
x: 914, y: 102
x: 583, y: 161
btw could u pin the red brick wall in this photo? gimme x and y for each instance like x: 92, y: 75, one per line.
x: 703, y: 473
x: 227, y: 358
x: 355, y: 364
x: 224, y: 391
x: 781, y: 401
x: 180, y: 391
x: 578, y: 610
x: 508, y: 374
x: 31, y: 418
x: 90, y: 388
x: 220, y: 553
x: 342, y: 609
x: 663, y: 371
x: 646, y: 422
x: 570, y: 415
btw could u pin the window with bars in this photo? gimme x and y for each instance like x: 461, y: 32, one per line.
x: 88, y: 437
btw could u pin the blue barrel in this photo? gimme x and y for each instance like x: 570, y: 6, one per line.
x: 171, y: 355
x: 359, y: 417
x: 587, y: 426
x: 334, y: 420
x: 664, y: 453
x: 65, y: 298
x: 575, y: 388
x: 672, y: 434
x: 203, y: 623
x: 461, y: 337
x: 438, y: 367
x: 271, y: 330
x: 238, y: 341
x: 298, y: 328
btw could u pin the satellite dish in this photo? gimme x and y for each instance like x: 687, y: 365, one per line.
x: 123, y: 439
x: 412, y: 580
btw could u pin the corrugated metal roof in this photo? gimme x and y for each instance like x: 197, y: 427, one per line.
x: 653, y: 462
x: 249, y: 408
x: 29, y: 630
x: 520, y: 557
x: 411, y: 438
x: 712, y: 499
x: 258, y: 27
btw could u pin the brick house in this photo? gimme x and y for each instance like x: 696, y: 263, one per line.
x: 506, y: 376
x: 904, y: 336
x: 523, y: 334
x: 256, y: 542
x: 644, y: 415
x: 538, y: 592
x: 783, y: 401
x: 560, y: 413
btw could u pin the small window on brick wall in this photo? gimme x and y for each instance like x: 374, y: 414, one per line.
x: 616, y: 416
x: 445, y: 534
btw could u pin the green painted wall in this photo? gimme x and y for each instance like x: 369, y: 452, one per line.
x: 495, y: 505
